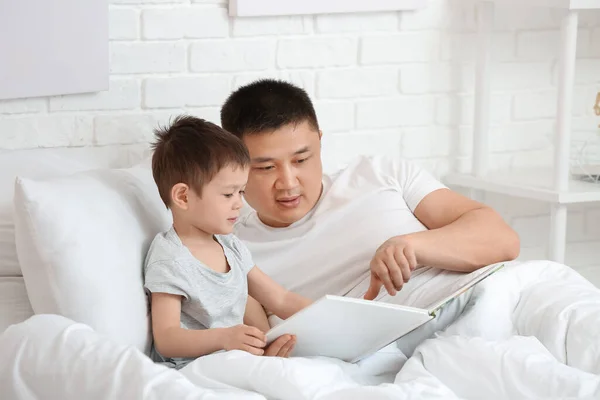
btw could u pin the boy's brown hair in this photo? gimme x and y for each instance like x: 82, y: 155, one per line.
x: 192, y: 151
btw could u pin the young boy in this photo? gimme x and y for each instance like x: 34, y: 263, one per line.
x: 198, y: 274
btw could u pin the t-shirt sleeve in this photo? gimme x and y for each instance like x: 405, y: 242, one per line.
x: 165, y: 277
x: 242, y: 251
x: 415, y: 182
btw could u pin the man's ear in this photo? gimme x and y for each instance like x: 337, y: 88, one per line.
x: 320, y: 134
x: 180, y: 196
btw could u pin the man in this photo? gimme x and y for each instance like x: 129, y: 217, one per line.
x: 378, y: 229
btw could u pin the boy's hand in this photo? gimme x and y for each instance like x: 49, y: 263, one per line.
x: 281, y: 347
x: 244, y: 337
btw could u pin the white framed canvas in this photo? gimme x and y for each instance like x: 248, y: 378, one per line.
x: 255, y: 8
x: 53, y: 47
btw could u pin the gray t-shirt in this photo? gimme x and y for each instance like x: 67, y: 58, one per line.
x: 210, y: 299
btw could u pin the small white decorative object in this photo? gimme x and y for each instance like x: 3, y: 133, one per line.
x: 597, y: 106
x: 586, y: 160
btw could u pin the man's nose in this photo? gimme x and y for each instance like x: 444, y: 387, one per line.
x: 286, y: 179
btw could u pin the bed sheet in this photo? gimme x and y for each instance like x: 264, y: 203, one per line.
x: 529, y: 331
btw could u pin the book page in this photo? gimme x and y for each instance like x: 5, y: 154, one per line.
x: 347, y: 329
x: 456, y: 287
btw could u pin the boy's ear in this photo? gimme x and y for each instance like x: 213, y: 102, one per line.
x: 179, y: 196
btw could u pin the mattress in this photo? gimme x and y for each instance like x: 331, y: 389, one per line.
x: 14, y: 303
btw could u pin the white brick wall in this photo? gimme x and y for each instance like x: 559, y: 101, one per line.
x: 357, y: 82
x: 462, y: 46
x: 145, y: 57
x: 45, y: 130
x: 185, y: 91
x: 271, y: 26
x: 405, y: 111
x: 23, y: 106
x: 228, y: 55
x: 383, y: 83
x: 338, y: 116
x: 370, y: 22
x: 410, y: 46
x: 535, y: 105
x: 124, y: 24
x: 184, y: 22
x: 111, y: 129
x: 429, y: 78
x: 122, y: 94
x: 314, y: 52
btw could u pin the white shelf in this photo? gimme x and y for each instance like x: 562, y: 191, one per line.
x: 529, y: 183
x: 552, y: 185
x: 564, y: 4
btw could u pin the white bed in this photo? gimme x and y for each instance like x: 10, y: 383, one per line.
x: 529, y: 331
x: 14, y: 303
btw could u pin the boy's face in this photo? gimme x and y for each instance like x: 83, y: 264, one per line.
x: 218, y: 208
x: 285, y: 180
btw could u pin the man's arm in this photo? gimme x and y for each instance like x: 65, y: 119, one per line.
x: 463, y: 234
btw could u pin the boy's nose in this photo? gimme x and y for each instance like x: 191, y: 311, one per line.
x: 238, y: 203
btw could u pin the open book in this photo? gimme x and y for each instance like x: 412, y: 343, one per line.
x: 351, y: 329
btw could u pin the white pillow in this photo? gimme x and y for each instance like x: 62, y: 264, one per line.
x: 32, y: 164
x: 45, y: 163
x: 82, y: 240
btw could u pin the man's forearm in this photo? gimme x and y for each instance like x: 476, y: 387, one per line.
x: 479, y: 237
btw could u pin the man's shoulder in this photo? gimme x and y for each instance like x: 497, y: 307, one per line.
x: 382, y: 164
x: 374, y: 169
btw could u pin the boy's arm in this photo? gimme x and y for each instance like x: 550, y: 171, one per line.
x: 173, y: 341
x: 273, y: 296
x: 255, y: 315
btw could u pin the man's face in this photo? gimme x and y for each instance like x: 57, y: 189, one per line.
x: 285, y: 175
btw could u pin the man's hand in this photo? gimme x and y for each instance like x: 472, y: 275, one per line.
x: 391, y: 266
x: 281, y: 347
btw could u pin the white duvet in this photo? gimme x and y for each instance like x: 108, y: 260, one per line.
x: 531, y: 331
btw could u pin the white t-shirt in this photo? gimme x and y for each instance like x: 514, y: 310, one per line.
x: 330, y: 249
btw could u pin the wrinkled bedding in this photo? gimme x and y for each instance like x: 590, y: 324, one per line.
x: 530, y: 331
